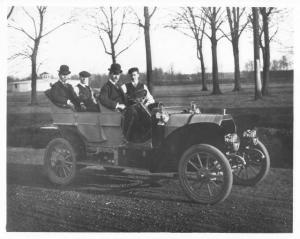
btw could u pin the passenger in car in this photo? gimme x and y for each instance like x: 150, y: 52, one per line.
x: 61, y: 93
x: 111, y: 94
x: 85, y: 93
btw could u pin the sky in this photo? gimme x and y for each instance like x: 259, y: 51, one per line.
x: 77, y: 46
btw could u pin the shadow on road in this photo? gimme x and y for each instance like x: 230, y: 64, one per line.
x: 100, y: 182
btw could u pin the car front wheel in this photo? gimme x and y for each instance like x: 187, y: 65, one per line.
x: 256, y: 167
x: 205, y: 174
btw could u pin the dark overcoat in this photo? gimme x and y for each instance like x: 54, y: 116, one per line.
x: 85, y: 96
x: 61, y: 93
x: 110, y: 95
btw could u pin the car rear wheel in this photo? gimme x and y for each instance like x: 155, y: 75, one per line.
x: 60, y: 161
x: 257, y: 165
x: 205, y: 174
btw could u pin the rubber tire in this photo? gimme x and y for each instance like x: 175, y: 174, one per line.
x: 261, y: 175
x: 51, y: 175
x: 221, y: 159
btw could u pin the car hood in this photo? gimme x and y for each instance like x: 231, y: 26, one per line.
x: 181, y: 119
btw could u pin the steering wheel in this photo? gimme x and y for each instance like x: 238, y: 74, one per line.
x: 139, y: 97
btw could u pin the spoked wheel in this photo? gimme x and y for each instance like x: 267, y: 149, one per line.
x: 60, y: 161
x: 205, y: 174
x: 257, y: 165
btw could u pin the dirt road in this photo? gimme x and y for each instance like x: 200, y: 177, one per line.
x: 137, y: 202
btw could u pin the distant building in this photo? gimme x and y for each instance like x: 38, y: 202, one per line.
x: 45, y: 75
x: 42, y: 84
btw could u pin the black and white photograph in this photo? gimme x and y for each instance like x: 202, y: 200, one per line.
x: 149, y: 116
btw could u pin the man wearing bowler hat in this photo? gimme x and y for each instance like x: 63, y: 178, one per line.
x: 85, y: 93
x: 111, y: 95
x: 62, y: 93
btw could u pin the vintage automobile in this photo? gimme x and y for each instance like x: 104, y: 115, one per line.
x: 203, y: 150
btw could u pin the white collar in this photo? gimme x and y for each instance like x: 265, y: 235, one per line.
x: 84, y: 85
x: 114, y: 83
x: 64, y: 83
x: 134, y: 84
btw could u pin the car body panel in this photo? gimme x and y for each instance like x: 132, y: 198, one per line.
x: 181, y: 119
x: 104, y: 127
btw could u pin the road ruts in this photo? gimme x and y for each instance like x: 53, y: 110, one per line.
x: 102, y: 202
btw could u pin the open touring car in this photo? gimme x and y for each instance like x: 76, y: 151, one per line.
x: 204, y: 149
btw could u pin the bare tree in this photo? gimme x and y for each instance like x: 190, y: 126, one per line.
x: 109, y: 23
x: 265, y: 40
x: 190, y: 22
x: 255, y: 22
x: 10, y: 12
x: 214, y: 18
x: 146, y: 26
x: 236, y: 28
x: 35, y: 38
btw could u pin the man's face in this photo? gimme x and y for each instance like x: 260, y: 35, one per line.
x: 134, y: 77
x: 115, y: 77
x: 84, y: 80
x: 63, y: 78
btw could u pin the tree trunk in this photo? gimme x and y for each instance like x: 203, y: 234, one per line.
x: 33, y: 79
x: 214, y: 42
x: 266, y: 67
x: 148, y: 49
x: 113, y: 57
x: 204, y: 86
x: 33, y: 72
x: 258, y: 93
x: 236, y: 56
x: 113, y: 51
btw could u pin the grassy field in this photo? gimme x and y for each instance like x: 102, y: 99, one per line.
x: 281, y: 95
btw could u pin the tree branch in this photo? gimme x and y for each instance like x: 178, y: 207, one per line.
x: 155, y: 8
x: 121, y: 28
x: 32, y: 19
x: 104, y: 46
x: 105, y: 15
x: 226, y: 34
x: 10, y: 12
x: 22, y: 30
x: 127, y: 47
x: 271, y: 37
x: 55, y: 28
x: 24, y: 54
x: 140, y: 24
x: 244, y: 27
x: 178, y: 29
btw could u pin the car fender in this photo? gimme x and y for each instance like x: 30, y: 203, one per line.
x: 180, y: 120
x: 180, y: 139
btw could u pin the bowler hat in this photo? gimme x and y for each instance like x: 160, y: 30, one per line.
x: 84, y: 74
x: 115, y: 68
x: 64, y: 70
x: 133, y: 69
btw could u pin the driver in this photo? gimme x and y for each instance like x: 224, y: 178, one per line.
x: 137, y: 126
x: 132, y: 88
